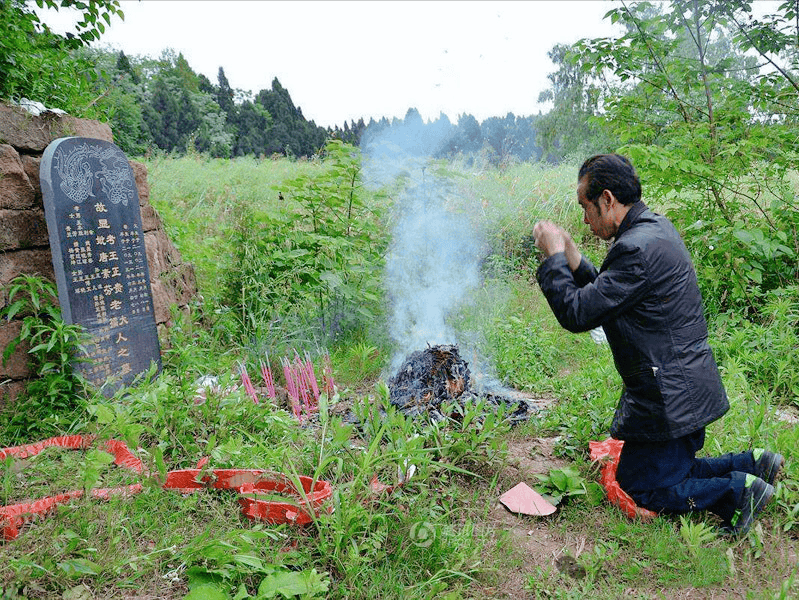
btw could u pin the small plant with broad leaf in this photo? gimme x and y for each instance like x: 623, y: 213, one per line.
x: 56, y: 391
x: 567, y: 482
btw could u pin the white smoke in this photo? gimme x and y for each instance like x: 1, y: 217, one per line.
x: 433, y: 262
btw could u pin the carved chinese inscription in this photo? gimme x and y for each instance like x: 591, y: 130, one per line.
x: 93, y: 220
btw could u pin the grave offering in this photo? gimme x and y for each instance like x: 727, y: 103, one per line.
x: 436, y: 376
x: 96, y: 237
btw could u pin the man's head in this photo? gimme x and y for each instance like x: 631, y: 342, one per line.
x: 607, y: 187
x: 610, y: 172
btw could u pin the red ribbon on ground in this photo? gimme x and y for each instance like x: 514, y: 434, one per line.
x: 299, y: 508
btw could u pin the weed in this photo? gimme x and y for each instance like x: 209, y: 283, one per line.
x: 55, y: 394
x: 695, y: 535
x: 323, y: 256
x: 413, y: 501
x: 567, y: 482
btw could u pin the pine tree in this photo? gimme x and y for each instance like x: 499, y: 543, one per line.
x: 224, y: 93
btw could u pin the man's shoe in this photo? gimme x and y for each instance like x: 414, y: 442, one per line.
x: 767, y: 464
x: 757, y: 494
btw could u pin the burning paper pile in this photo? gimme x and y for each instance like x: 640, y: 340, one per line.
x: 438, y: 375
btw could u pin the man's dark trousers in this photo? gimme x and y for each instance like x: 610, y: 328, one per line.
x: 667, y: 477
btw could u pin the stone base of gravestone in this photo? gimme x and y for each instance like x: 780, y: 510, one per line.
x: 24, y: 245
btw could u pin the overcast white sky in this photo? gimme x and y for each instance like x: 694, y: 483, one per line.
x: 344, y: 60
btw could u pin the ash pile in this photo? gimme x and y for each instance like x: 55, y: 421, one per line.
x: 438, y: 375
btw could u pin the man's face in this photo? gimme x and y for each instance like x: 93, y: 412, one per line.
x: 596, y: 216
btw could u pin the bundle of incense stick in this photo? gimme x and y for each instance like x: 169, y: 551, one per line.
x: 292, y: 387
x: 301, y: 385
x: 309, y: 376
x: 269, y: 381
x: 327, y: 376
x: 245, y: 379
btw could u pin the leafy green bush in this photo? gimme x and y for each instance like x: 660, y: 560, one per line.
x: 39, y: 65
x: 739, y: 264
x: 765, y: 351
x: 56, y: 392
x: 318, y: 256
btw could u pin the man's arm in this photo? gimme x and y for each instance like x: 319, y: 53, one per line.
x: 578, y: 307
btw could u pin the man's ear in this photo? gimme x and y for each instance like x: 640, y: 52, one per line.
x: 608, y: 199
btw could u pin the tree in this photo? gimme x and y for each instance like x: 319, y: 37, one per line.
x: 213, y: 134
x: 688, y: 108
x: 291, y: 133
x: 161, y: 116
x: 254, y: 125
x: 224, y: 93
x: 36, y: 63
x: 570, y: 127
x: 468, y: 136
x: 124, y: 67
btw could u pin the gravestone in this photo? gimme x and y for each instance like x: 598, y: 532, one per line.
x: 97, y: 242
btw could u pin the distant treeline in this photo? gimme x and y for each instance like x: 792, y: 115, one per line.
x: 163, y: 104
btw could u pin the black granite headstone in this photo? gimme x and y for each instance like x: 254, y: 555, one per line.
x: 96, y: 237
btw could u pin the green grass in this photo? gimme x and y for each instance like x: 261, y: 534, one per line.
x: 199, y: 199
x: 437, y: 535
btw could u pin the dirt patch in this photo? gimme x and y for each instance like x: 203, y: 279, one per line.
x: 526, y: 552
x: 530, y: 542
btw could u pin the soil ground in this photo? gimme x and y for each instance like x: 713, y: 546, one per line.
x: 534, y: 541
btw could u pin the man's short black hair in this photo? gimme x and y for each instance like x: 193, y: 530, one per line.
x: 612, y: 172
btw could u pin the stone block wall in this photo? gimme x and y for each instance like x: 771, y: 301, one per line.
x: 24, y: 242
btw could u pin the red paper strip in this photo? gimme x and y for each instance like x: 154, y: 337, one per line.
x: 299, y: 507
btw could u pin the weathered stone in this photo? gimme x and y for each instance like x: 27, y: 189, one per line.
x: 24, y: 262
x: 161, y: 301
x: 16, y: 190
x: 28, y: 133
x: 150, y: 220
x: 173, y: 281
x: 16, y: 367
x: 140, y: 175
x: 22, y: 229
x: 10, y: 391
x: 176, y: 278
x: 22, y: 249
x: 31, y: 166
x: 158, y: 251
x: 185, y: 284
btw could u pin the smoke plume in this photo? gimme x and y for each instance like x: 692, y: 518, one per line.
x: 433, y: 262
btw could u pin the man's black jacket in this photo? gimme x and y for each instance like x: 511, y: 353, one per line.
x: 646, y: 298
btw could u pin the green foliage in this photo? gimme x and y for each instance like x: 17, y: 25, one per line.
x: 218, y: 566
x: 368, y: 531
x: 567, y: 482
x: 766, y: 351
x: 357, y: 360
x: 690, y: 114
x: 695, y: 535
x: 568, y: 128
x: 321, y: 254
x: 37, y: 64
x: 434, y: 534
x: 56, y: 390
